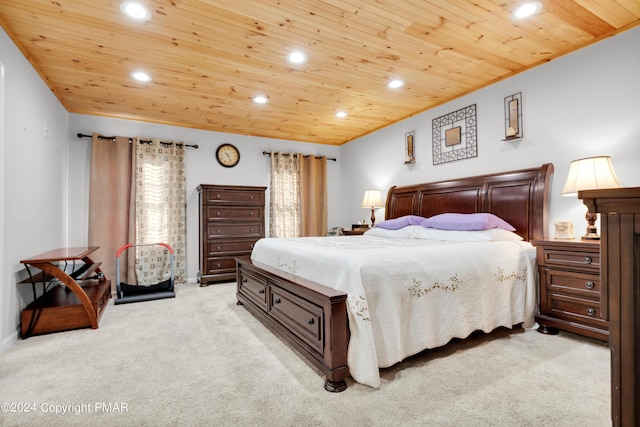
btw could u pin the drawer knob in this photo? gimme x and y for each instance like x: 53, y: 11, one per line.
x: 310, y: 321
x: 587, y: 260
x: 251, y: 197
x: 218, y: 231
x: 217, y: 196
x: 251, y: 230
x: 590, y: 285
x: 218, y: 213
x: 276, y: 301
x: 250, y: 213
x: 261, y: 291
x: 591, y: 311
x: 218, y: 265
x: 244, y: 280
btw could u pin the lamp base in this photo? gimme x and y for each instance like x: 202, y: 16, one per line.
x: 591, y: 237
x: 373, y: 217
x: 592, y: 230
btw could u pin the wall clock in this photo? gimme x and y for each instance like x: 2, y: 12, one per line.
x: 228, y: 155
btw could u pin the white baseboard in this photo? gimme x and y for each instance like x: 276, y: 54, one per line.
x: 8, y: 342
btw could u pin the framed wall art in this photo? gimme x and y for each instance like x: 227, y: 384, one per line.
x: 454, y: 136
x: 513, y: 117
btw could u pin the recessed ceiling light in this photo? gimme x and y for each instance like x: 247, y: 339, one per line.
x: 260, y: 99
x: 341, y: 114
x: 526, y: 10
x: 395, y: 84
x: 135, y: 10
x: 141, y: 76
x: 297, y: 57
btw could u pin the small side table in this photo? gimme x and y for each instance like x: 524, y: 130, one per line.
x: 355, y: 232
x: 572, y: 297
x: 69, y: 300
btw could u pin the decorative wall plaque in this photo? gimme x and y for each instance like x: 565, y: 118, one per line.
x: 454, y: 136
x: 409, y: 147
x: 513, y: 117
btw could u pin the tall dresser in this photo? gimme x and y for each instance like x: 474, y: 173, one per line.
x: 231, y: 221
x: 620, y: 262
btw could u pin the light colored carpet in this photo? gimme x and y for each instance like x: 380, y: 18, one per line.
x: 201, y: 360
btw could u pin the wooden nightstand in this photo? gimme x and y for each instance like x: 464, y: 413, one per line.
x: 356, y: 232
x: 572, y: 297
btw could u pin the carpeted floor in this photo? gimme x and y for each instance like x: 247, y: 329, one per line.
x: 201, y: 360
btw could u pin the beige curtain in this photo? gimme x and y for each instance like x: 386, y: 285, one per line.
x: 160, y: 205
x: 313, y: 195
x: 298, y: 193
x: 284, y: 209
x: 109, y: 204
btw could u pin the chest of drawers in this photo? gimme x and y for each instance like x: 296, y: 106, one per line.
x: 572, y: 296
x: 231, y: 221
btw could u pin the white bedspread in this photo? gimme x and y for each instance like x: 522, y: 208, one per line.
x: 407, y: 295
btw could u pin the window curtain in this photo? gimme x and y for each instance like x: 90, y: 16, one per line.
x: 110, y: 204
x: 313, y: 195
x: 159, y: 210
x: 298, y: 195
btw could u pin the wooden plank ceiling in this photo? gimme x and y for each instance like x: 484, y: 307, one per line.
x: 208, y: 58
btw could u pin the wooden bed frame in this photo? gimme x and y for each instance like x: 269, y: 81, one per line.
x: 313, y: 318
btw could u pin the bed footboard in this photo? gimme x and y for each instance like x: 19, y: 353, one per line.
x: 310, y: 317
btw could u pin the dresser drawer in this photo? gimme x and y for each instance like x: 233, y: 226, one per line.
x: 254, y: 287
x: 222, y: 231
x: 572, y: 259
x: 299, y: 316
x: 230, y: 247
x: 228, y: 195
x: 219, y: 265
x: 561, y: 281
x: 236, y: 213
x: 578, y: 310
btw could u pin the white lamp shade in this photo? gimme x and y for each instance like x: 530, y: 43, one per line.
x: 372, y: 199
x: 593, y: 173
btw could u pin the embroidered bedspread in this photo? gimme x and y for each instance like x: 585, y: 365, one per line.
x: 407, y: 295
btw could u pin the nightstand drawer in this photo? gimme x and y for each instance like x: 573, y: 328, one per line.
x: 587, y: 285
x: 577, y: 310
x: 570, y: 259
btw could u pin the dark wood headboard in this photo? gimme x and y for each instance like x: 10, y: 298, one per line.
x: 519, y: 197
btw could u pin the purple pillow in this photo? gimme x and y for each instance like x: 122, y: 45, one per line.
x: 466, y: 222
x: 401, y: 222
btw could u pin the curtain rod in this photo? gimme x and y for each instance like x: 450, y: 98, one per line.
x: 142, y: 141
x: 268, y: 153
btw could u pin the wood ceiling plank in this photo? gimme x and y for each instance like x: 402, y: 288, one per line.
x: 209, y: 58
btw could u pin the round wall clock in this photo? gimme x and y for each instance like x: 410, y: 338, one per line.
x: 228, y: 155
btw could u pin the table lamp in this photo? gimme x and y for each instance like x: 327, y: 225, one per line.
x: 592, y: 173
x: 372, y: 199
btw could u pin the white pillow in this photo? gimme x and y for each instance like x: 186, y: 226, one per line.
x: 501, y: 234
x: 491, y: 235
x: 404, y: 232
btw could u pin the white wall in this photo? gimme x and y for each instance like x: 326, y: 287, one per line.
x: 34, y: 194
x: 201, y: 168
x: 583, y: 104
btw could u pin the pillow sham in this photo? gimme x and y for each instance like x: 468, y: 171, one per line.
x: 400, y: 222
x: 491, y: 235
x: 466, y: 222
x: 404, y: 232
